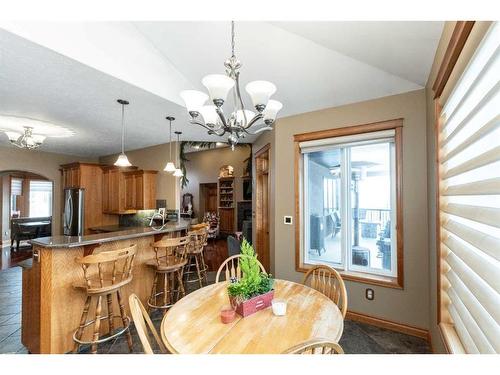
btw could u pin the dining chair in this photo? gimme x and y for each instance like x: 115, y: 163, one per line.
x: 144, y: 325
x: 316, y: 346
x: 231, y: 268
x: 329, y: 282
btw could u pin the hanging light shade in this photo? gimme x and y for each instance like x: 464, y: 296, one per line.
x: 193, y: 99
x: 122, y: 160
x: 209, y: 114
x: 170, y: 167
x: 271, y: 110
x: 260, y: 92
x: 178, y: 171
x: 218, y: 86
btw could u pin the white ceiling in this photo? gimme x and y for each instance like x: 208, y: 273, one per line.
x: 72, y: 73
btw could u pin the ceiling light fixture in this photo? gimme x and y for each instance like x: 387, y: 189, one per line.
x: 28, y: 140
x: 170, y: 167
x: 212, y: 118
x: 122, y: 160
x: 29, y: 134
x: 178, y: 171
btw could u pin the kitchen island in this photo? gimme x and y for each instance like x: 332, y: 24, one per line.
x: 52, y: 307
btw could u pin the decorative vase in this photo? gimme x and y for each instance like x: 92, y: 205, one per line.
x: 252, y: 305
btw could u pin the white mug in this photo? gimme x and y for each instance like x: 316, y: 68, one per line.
x: 279, y: 307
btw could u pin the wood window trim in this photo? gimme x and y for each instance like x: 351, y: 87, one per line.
x: 396, y: 124
x: 455, y: 46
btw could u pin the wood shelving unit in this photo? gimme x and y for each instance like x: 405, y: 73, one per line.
x: 226, y: 195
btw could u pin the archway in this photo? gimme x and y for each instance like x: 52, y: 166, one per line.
x: 26, y: 210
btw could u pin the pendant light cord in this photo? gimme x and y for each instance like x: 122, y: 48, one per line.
x: 123, y: 129
x: 170, y: 144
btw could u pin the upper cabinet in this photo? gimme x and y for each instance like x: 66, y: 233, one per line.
x: 126, y: 190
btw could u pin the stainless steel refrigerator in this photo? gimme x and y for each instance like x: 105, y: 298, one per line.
x: 73, y: 211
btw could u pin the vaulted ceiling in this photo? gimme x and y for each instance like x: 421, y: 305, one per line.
x: 71, y: 74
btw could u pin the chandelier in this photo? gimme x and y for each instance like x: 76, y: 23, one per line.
x: 28, y: 140
x: 240, y: 120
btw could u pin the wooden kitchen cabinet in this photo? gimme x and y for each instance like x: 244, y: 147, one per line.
x: 127, y: 190
x: 226, y: 224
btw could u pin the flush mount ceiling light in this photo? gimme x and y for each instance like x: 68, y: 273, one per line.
x: 29, y: 134
x: 122, y: 160
x: 239, y: 122
x: 170, y: 167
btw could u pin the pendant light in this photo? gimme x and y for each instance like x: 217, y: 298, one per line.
x: 122, y: 160
x: 178, y: 171
x: 170, y: 167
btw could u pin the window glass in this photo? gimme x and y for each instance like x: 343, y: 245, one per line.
x: 40, y: 198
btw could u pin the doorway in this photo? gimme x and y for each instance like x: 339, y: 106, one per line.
x: 26, y: 206
x: 262, y: 193
x: 208, y: 198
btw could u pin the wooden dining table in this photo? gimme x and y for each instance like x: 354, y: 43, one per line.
x: 193, y: 325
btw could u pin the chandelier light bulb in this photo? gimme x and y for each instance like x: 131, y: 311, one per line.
x: 209, y: 114
x: 194, y: 100
x: 272, y: 109
x: 218, y: 86
x: 260, y: 92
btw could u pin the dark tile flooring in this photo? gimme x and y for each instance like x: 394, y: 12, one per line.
x: 358, y: 338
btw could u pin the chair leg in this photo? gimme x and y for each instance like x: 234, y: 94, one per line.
x: 198, y: 270
x: 181, y: 284
x: 125, y: 319
x: 152, y: 298
x: 165, y: 292
x: 83, y: 320
x: 204, y: 266
x: 97, y: 324
x: 111, y: 324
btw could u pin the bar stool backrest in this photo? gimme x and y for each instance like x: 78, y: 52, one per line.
x: 199, y: 238
x: 113, y: 267
x: 177, y: 247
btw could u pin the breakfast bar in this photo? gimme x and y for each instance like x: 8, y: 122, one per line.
x: 52, y: 307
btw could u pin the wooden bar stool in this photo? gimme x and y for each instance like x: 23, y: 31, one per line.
x: 169, y: 262
x: 196, y: 268
x: 104, y: 275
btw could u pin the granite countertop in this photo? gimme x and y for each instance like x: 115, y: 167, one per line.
x: 124, y: 234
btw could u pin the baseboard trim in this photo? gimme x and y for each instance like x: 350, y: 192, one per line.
x: 387, y: 324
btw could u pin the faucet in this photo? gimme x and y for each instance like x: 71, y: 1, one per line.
x: 155, y: 215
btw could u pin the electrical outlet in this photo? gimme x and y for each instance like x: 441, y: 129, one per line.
x: 287, y: 220
x: 370, y: 294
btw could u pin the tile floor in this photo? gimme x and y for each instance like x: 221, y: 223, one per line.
x: 358, y: 338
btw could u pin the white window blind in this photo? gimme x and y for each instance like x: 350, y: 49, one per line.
x: 469, y: 185
x: 16, y: 186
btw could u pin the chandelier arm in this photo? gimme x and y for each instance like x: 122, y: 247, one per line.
x: 222, y: 118
x: 256, y: 118
x: 211, y: 130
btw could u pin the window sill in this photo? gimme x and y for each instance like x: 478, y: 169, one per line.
x: 450, y: 339
x: 379, y: 280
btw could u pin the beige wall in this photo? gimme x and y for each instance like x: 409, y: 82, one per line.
x: 45, y: 164
x: 203, y: 167
x: 408, y: 306
x: 154, y: 158
x: 471, y: 45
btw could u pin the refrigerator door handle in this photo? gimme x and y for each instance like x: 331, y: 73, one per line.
x: 65, y: 215
x: 70, y: 204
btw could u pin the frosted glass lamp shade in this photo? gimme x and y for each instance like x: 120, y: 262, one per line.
x: 122, y: 161
x: 240, y: 118
x: 218, y: 86
x: 170, y: 167
x: 260, y: 92
x: 272, y: 109
x: 193, y: 99
x: 38, y: 138
x: 178, y: 173
x: 13, y: 136
x: 209, y: 114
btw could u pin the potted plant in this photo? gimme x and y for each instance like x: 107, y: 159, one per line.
x: 254, y: 291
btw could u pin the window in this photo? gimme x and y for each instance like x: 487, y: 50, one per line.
x: 40, y: 203
x: 348, y: 202
x: 468, y: 141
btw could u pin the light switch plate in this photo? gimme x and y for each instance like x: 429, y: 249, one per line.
x: 288, y: 220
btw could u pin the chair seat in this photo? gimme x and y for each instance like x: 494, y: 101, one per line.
x: 169, y: 263
x: 107, y: 283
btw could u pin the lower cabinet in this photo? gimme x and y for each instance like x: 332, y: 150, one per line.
x: 226, y: 216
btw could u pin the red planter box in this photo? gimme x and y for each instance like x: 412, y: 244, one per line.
x: 254, y: 304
